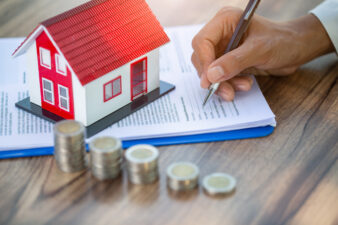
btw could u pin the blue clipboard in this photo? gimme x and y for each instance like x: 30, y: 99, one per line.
x: 188, y: 139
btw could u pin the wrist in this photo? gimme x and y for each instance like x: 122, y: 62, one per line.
x: 311, y: 38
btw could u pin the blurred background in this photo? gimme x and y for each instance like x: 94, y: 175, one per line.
x: 19, y: 17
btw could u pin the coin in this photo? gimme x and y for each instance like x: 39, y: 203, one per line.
x: 182, y: 176
x: 143, y: 178
x: 142, y: 158
x: 142, y: 164
x: 106, y: 157
x: 69, y: 146
x: 105, y: 173
x: 219, y: 183
x: 141, y: 154
x: 69, y: 128
x: 71, y: 168
x: 105, y: 150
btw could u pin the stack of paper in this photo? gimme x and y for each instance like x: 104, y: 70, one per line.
x: 179, y: 113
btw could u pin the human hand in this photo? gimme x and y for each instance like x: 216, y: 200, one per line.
x: 268, y: 47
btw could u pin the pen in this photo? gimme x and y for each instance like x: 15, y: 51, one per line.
x: 241, y: 28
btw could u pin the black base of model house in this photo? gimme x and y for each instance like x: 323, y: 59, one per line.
x: 105, y: 122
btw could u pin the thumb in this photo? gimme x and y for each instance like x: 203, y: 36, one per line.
x: 231, y: 64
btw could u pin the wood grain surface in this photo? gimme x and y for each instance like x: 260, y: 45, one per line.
x: 289, y: 177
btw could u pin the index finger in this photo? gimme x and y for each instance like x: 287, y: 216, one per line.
x: 214, y: 36
x: 204, y: 43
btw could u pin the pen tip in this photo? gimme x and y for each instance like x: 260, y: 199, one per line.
x: 206, y: 100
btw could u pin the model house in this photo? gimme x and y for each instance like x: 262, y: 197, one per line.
x: 90, y: 61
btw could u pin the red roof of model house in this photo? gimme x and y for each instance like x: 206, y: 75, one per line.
x: 102, y: 35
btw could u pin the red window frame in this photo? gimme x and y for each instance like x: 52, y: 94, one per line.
x: 112, y: 81
x: 145, y: 70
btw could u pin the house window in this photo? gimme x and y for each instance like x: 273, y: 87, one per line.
x: 63, y: 98
x: 60, y: 65
x: 112, y: 89
x: 45, y: 59
x: 48, y: 91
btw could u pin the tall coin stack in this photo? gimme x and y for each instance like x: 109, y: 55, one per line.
x: 69, y: 146
x: 182, y: 176
x: 106, y: 157
x: 142, y: 164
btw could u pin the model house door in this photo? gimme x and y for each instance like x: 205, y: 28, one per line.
x: 55, y: 79
x: 138, y: 78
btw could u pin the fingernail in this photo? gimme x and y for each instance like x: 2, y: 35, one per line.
x: 216, y: 73
x: 241, y: 87
x: 225, y: 96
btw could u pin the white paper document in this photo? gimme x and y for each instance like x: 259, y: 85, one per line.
x: 175, y: 114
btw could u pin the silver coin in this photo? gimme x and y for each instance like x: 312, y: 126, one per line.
x: 105, y: 173
x: 61, y: 157
x: 150, y: 173
x: 104, y: 161
x: 143, y: 178
x: 115, y: 163
x: 219, y: 183
x: 105, y: 157
x: 105, y: 152
x: 142, y: 168
x: 63, y: 140
x: 182, y: 176
x: 182, y: 185
x: 69, y: 146
x: 106, y: 169
x: 141, y: 154
x: 69, y: 128
x: 61, y: 151
x: 106, y: 146
x: 68, y: 168
x: 141, y: 158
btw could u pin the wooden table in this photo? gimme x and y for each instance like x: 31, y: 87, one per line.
x: 290, y: 177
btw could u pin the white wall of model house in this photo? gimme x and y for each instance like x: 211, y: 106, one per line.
x: 79, y: 99
x: 89, y: 99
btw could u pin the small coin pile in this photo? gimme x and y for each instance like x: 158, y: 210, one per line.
x: 105, y: 157
x: 219, y: 184
x: 142, y: 164
x: 182, y: 176
x: 69, y: 146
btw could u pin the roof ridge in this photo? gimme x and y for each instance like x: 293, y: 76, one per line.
x: 93, y: 41
x: 84, y: 20
x: 69, y: 13
x: 107, y: 25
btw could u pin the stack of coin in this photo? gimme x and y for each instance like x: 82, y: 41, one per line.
x: 105, y: 157
x: 69, y: 146
x: 142, y: 164
x: 182, y: 176
x: 219, y: 184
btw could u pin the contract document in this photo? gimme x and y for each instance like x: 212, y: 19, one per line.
x: 178, y: 113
